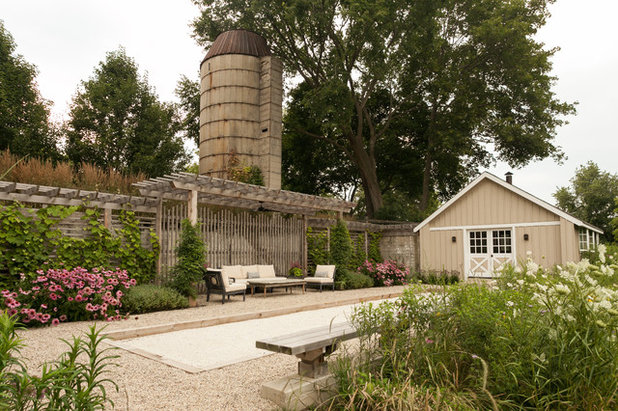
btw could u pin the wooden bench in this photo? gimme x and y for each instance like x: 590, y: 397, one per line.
x: 310, y: 346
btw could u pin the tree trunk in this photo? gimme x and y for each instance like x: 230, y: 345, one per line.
x: 426, y: 180
x: 428, y: 159
x: 369, y: 176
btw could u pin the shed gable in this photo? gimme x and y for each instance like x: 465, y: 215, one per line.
x: 488, y: 203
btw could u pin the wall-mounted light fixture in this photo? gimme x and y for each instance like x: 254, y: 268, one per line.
x: 526, y: 238
x: 453, y: 239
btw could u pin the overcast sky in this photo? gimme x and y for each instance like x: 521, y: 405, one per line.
x: 66, y: 39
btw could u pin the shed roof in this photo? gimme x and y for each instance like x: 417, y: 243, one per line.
x: 514, y: 189
x: 239, y: 42
x: 218, y: 191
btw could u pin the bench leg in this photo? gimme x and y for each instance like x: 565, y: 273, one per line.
x: 312, y: 363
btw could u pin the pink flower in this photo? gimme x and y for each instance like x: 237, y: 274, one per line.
x: 63, y: 317
x: 55, y: 322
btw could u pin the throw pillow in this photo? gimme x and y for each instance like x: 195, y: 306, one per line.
x: 253, y: 275
x: 322, y: 274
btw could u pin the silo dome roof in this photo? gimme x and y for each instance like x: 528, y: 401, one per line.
x: 239, y: 42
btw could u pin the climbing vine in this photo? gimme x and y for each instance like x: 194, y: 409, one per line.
x: 317, y: 248
x: 374, y: 254
x: 31, y: 240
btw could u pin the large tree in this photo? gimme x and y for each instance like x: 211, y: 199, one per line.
x: 24, y: 114
x: 469, y: 73
x: 117, y: 121
x: 591, y: 197
x: 188, y: 92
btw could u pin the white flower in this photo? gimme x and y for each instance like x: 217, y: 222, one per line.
x: 529, y: 253
x: 532, y: 266
x: 569, y: 318
x: 605, y: 304
x: 590, y: 280
x: 562, y: 289
x: 510, y: 303
x: 520, y: 282
x: 602, y: 249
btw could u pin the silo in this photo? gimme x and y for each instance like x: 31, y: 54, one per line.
x: 240, y: 106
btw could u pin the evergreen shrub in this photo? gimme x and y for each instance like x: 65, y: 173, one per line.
x: 147, y: 298
x: 191, y: 256
x: 351, y: 280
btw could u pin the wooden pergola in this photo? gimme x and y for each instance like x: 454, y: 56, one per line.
x: 33, y: 193
x: 196, y: 189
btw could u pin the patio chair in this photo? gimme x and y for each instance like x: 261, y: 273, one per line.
x: 324, y: 276
x: 218, y: 282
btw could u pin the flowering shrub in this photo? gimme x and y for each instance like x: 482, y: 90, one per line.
x: 68, y: 295
x: 539, y: 339
x: 386, y: 274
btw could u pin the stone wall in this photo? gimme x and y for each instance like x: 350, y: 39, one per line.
x: 401, y: 247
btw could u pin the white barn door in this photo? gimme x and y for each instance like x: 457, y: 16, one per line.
x: 488, y: 250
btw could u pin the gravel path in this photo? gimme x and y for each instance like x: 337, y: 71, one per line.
x: 149, y: 385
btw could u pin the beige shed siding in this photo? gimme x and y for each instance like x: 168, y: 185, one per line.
x: 439, y: 252
x: 543, y: 242
x: 487, y: 204
x: 569, y: 239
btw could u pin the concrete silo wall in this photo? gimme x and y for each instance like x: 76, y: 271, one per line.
x: 240, y: 112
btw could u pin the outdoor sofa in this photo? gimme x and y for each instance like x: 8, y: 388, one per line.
x: 324, y: 276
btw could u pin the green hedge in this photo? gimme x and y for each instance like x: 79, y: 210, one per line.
x: 147, y: 298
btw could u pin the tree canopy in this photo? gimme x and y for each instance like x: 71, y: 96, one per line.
x: 188, y: 92
x: 447, y: 80
x: 591, y: 197
x: 117, y: 121
x: 24, y: 114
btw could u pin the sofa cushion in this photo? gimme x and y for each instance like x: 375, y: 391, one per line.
x: 253, y: 274
x: 235, y: 287
x: 318, y: 280
x: 328, y: 269
x: 233, y: 271
x: 322, y: 274
x: 266, y: 271
x: 248, y: 269
x: 242, y: 281
x: 225, y: 277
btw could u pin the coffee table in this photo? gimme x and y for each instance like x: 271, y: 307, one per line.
x: 272, y: 283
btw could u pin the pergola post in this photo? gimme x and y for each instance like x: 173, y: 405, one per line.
x: 107, y: 218
x: 305, y: 262
x: 159, y: 233
x: 192, y: 206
